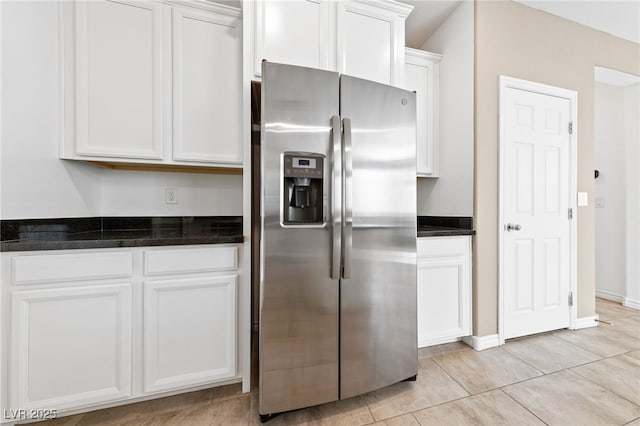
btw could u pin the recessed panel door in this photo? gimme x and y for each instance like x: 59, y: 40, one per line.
x: 536, y: 203
x: 119, y: 78
x: 206, y: 87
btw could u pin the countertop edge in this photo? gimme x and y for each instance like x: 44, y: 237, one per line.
x: 445, y: 233
x: 115, y: 243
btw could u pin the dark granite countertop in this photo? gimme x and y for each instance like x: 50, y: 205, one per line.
x: 109, y: 232
x: 444, y: 226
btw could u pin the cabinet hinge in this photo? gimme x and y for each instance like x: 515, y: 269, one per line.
x: 571, y: 127
x: 570, y: 214
x: 570, y: 298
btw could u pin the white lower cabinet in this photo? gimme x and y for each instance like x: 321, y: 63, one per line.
x: 189, y: 331
x: 86, y: 328
x: 444, y: 289
x: 70, y: 346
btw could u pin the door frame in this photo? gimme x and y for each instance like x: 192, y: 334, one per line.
x: 571, y: 95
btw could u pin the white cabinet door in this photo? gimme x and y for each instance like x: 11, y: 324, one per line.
x: 292, y: 32
x: 118, y: 79
x: 444, y: 289
x: 422, y: 76
x: 207, y: 86
x: 71, y: 346
x: 370, y: 42
x: 189, y: 331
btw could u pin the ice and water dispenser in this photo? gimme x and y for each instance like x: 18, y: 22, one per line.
x: 303, y: 181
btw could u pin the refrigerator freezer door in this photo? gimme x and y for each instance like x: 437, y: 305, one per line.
x: 299, y: 299
x: 378, y: 339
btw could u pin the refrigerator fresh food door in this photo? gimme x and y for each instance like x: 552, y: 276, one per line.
x: 298, y: 296
x: 378, y: 338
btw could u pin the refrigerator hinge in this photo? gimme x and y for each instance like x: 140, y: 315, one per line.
x: 571, y: 127
x: 570, y: 214
x: 570, y: 298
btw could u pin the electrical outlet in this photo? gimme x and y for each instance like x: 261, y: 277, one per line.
x: 171, y: 195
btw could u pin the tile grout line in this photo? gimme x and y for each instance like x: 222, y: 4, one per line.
x: 602, y: 358
x: 460, y: 399
x: 451, y: 377
x: 522, y: 405
x: 579, y: 347
x: 443, y: 403
x: 602, y: 386
x: 628, y: 423
x: 369, y: 409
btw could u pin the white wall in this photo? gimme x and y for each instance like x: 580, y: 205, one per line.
x: 34, y: 182
x: 610, y: 188
x: 632, y: 155
x: 451, y: 194
x: 133, y: 193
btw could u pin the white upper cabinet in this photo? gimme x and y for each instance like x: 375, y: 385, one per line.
x: 363, y: 38
x: 422, y: 76
x: 371, y: 40
x: 292, y: 32
x: 119, y: 79
x: 153, y: 82
x: 206, y: 87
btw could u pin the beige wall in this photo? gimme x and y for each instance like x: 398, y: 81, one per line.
x: 518, y: 41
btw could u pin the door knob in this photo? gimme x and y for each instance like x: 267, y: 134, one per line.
x: 512, y: 227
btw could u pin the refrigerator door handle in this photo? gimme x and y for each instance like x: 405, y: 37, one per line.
x: 336, y: 196
x: 348, y: 199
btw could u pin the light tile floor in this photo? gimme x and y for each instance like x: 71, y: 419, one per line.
x: 584, y: 377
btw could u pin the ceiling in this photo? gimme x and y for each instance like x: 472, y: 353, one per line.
x: 618, y: 17
x: 426, y: 17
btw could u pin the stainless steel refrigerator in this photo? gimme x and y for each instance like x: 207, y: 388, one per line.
x: 337, y: 237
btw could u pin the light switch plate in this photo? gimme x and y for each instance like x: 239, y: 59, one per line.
x: 598, y: 202
x: 583, y: 199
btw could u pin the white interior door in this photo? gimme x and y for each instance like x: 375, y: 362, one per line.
x: 536, y: 200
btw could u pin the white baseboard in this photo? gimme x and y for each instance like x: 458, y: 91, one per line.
x: 586, y: 322
x: 483, y: 342
x: 423, y: 343
x: 614, y: 297
x: 630, y: 303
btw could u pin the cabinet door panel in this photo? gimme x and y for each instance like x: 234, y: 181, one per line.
x: 292, y: 32
x: 365, y: 44
x: 416, y: 80
x: 439, y: 295
x: 71, y: 347
x: 119, y: 81
x: 207, y: 71
x: 444, y: 289
x: 189, y: 331
x: 421, y: 76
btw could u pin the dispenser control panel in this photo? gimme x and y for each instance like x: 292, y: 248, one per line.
x: 303, y: 166
x: 302, y: 189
